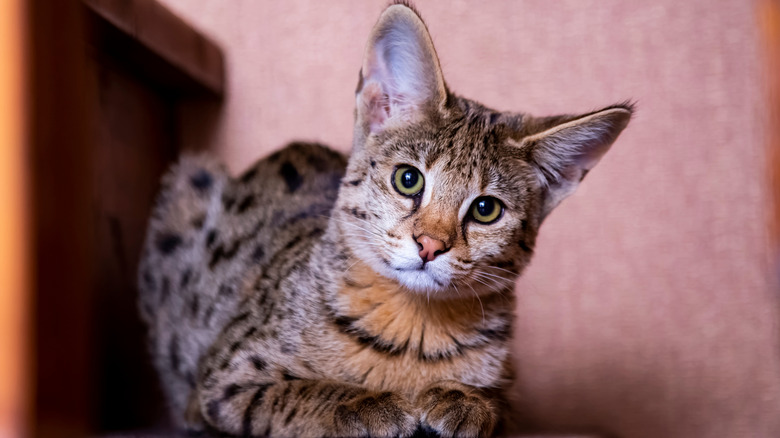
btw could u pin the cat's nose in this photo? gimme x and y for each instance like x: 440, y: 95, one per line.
x: 430, y: 247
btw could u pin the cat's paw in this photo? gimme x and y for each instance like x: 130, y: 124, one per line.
x: 377, y: 415
x: 452, y: 409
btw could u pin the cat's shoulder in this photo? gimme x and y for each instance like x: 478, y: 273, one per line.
x: 299, y: 166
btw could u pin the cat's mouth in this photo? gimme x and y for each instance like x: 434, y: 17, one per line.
x: 421, y: 277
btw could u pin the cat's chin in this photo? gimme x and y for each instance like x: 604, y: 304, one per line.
x: 420, y: 281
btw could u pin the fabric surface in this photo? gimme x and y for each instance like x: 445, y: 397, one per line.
x: 651, y: 306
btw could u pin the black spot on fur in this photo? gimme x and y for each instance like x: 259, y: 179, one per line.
x: 212, y: 409
x: 195, y: 306
x: 198, y: 221
x: 210, y: 236
x: 225, y: 290
x: 258, y: 253
x: 357, y: 213
x: 173, y: 353
x: 245, y: 203
x: 355, y: 182
x: 231, y: 391
x: 168, y: 242
x: 291, y: 176
x: 185, y: 278
x: 207, y: 316
x: 201, y: 180
x: 227, y: 202
x: 246, y: 177
x: 223, y: 253
x: 148, y: 279
x: 373, y: 163
x: 258, y: 363
x: 287, y: 376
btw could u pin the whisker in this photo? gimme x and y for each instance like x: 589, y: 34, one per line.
x: 495, y: 279
x: 490, y: 287
x: 502, y: 269
x: 376, y: 231
x: 480, y: 302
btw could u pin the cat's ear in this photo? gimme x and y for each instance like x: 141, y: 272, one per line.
x: 564, y: 153
x: 400, y: 79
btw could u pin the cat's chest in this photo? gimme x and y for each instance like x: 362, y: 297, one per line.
x: 409, y: 374
x: 391, y: 340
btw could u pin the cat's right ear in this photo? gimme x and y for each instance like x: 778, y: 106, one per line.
x: 400, y: 80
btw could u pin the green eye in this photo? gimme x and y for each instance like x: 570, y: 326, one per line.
x: 408, y: 181
x: 486, y: 209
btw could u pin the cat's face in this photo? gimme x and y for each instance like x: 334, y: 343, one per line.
x: 454, y: 182
x: 443, y: 195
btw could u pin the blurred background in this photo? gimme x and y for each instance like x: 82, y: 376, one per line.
x: 650, y: 309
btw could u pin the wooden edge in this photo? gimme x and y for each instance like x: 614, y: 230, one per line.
x: 161, y: 37
x: 16, y: 289
x: 769, y: 24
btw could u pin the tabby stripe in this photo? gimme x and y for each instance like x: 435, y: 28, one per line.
x: 290, y: 416
x: 236, y: 321
x: 257, y: 398
x: 305, y: 390
x: 420, y: 350
x: 365, y: 375
x: 269, y: 313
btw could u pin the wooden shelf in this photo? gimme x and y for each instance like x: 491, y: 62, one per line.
x: 157, y: 44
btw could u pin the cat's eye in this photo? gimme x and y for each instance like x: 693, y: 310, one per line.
x: 486, y: 209
x: 408, y: 181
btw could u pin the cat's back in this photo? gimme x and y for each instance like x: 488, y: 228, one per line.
x: 210, y: 235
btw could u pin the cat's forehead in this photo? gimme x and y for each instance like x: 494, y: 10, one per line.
x: 468, y: 155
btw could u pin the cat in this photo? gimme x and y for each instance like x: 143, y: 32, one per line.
x: 369, y: 295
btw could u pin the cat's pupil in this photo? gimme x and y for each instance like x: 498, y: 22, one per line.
x: 409, y: 179
x: 485, y: 207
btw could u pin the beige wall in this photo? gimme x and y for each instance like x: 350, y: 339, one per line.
x: 649, y: 308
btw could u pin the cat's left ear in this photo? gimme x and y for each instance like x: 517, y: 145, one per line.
x: 563, y: 154
x: 400, y: 79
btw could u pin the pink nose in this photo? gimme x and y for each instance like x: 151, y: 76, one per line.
x: 430, y: 248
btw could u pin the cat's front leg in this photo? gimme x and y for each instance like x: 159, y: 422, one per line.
x: 452, y: 409
x: 305, y: 408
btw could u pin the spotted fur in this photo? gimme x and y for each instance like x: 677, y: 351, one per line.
x: 291, y: 300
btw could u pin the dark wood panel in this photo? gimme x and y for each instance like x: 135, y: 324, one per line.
x: 104, y: 124
x: 62, y: 158
x: 134, y: 132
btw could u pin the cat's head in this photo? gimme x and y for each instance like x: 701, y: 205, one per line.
x: 442, y: 194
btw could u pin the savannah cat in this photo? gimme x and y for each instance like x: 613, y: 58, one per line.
x: 320, y: 295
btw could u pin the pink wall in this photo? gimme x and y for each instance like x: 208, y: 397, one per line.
x: 649, y: 309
